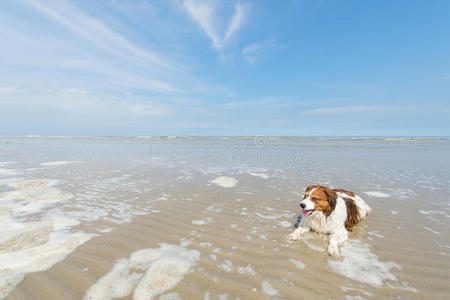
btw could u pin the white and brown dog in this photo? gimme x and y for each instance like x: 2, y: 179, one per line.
x: 330, y: 211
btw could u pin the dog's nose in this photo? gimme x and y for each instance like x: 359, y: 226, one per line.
x: 302, y: 205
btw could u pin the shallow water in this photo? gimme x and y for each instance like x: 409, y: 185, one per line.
x: 207, y: 218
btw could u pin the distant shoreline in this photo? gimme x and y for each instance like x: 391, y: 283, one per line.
x: 323, y: 138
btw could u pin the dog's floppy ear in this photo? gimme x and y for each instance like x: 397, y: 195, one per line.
x: 310, y: 188
x: 331, y: 198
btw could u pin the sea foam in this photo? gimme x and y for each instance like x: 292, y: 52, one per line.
x: 31, y: 196
x: 268, y: 289
x: 32, y: 246
x: 225, y: 182
x: 361, y: 265
x: 164, y: 268
x: 377, y: 194
x: 35, y: 246
x: 297, y: 263
x: 59, y: 163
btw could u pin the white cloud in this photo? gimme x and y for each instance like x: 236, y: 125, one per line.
x: 261, y: 50
x: 202, y: 13
x: 149, y: 110
x: 97, y: 32
x: 7, y: 89
x: 211, y: 89
x: 205, y: 13
x: 343, y: 110
x: 69, y: 61
x: 90, y: 102
x: 75, y: 91
x: 264, y: 103
x: 236, y: 21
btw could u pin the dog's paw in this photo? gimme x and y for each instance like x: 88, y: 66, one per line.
x: 334, y: 252
x: 293, y: 236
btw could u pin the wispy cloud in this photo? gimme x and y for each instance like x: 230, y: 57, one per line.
x: 343, y: 110
x: 206, y: 14
x: 261, y: 50
x: 97, y: 32
x: 81, y: 101
x: 236, y: 21
x: 261, y: 103
x: 149, y: 110
x: 7, y: 89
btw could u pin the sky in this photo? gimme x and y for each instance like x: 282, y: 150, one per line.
x: 225, y: 68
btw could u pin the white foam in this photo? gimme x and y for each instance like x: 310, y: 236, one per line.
x: 8, y: 172
x: 59, y: 163
x: 248, y: 269
x: 267, y: 216
x: 360, y: 264
x: 202, y: 222
x: 62, y: 222
x: 9, y: 180
x: 214, y: 209
x: 268, y: 289
x: 285, y: 224
x: 262, y: 175
x: 31, y: 196
x: 225, y: 182
x: 224, y: 296
x: 297, y: 263
x: 32, y: 246
x: 227, y: 265
x: 433, y: 231
x: 374, y: 233
x: 213, y: 257
x: 164, y: 268
x: 206, y: 297
x: 354, y: 297
x: 404, y: 286
x: 106, y: 229
x: 377, y: 194
x: 263, y: 237
x: 170, y: 296
x: 433, y: 212
x: 349, y: 289
x: 394, y: 212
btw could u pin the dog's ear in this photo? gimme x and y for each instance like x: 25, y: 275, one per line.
x: 310, y: 188
x: 331, y: 198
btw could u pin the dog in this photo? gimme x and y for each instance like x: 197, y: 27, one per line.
x: 330, y: 211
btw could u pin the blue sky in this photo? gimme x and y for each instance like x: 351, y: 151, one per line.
x: 206, y: 67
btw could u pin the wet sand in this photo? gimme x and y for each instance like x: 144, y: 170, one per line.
x: 230, y: 242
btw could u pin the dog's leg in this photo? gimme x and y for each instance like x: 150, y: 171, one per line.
x: 296, y: 234
x: 338, y: 237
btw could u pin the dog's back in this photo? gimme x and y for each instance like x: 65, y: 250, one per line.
x: 363, y: 208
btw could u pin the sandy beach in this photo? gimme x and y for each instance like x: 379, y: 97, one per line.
x: 207, y: 218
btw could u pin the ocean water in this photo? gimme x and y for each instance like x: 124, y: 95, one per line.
x: 194, y: 218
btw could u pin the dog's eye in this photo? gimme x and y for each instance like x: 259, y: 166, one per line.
x: 315, y: 199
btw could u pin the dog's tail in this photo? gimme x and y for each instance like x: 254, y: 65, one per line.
x: 363, y: 208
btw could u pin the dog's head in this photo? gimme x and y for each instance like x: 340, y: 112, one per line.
x: 318, y: 199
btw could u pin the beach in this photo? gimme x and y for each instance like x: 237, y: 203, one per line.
x: 207, y: 218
